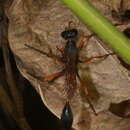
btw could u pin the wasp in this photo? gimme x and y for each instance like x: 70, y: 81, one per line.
x: 122, y: 15
x: 70, y: 59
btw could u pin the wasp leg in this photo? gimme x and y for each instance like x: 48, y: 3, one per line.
x: 52, y: 77
x: 61, y: 50
x: 49, y: 78
x: 50, y: 54
x: 86, y: 92
x: 96, y: 57
x: 83, y: 39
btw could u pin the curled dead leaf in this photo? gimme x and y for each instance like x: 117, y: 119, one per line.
x: 40, y: 26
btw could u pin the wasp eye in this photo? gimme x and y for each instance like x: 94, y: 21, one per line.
x: 69, y: 34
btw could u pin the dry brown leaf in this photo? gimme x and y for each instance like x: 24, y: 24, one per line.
x: 39, y: 25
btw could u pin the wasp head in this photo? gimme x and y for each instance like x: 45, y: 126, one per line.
x: 69, y: 34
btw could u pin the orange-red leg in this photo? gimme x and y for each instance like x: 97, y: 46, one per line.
x: 51, y: 76
x: 61, y: 50
x: 84, y: 38
x: 86, y: 92
x: 50, y: 54
x: 96, y: 57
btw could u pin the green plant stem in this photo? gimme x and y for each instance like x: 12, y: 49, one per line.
x: 101, y: 26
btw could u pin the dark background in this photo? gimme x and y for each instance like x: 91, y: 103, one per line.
x: 38, y: 116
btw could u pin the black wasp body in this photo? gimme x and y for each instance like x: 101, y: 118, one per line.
x: 70, y: 51
x: 67, y: 117
x: 70, y: 59
x: 123, y: 16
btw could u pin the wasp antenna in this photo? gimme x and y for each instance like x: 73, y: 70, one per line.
x: 71, y: 25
